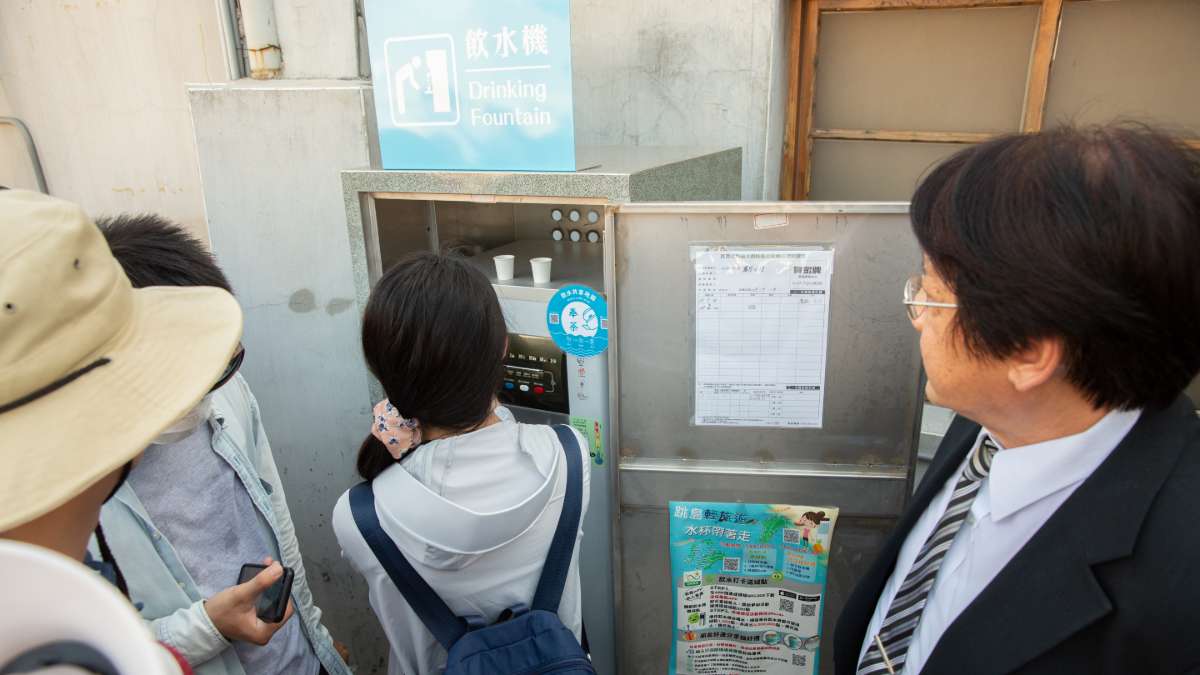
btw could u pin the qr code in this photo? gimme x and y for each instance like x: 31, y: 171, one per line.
x: 800, y: 660
x: 788, y: 606
x: 808, y: 609
x: 731, y: 565
x: 791, y: 536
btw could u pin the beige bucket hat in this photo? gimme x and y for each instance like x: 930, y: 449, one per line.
x: 91, y: 370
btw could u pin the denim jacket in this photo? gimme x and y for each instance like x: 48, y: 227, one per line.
x: 162, y: 587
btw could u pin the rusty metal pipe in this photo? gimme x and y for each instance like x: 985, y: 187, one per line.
x: 263, y: 54
x: 32, y: 148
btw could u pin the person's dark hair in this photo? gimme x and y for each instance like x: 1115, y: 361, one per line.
x: 434, y: 336
x: 1088, y: 235
x: 153, y: 251
x: 817, y: 517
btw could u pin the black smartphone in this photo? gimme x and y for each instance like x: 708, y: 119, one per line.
x: 272, y: 604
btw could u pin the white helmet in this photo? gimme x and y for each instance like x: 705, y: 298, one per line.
x: 57, y: 613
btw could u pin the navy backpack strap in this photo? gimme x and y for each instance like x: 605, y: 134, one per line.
x: 562, y: 547
x: 434, y: 613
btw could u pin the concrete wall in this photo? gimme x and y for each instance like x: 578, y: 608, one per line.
x: 319, y: 38
x: 685, y: 73
x: 270, y: 154
x: 101, y: 85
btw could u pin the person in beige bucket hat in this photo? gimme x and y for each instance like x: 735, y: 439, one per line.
x: 91, y: 370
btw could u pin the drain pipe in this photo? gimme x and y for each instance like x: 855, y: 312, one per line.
x: 231, y: 38
x: 264, y: 57
x: 33, y: 153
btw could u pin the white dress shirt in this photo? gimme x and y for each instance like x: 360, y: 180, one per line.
x: 474, y: 515
x: 1025, y: 487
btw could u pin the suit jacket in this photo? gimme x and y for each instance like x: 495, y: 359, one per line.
x: 1110, y: 584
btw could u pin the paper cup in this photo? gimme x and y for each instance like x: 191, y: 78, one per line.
x: 541, y: 270
x: 504, y: 267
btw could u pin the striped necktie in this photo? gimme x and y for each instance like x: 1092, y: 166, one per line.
x: 904, y: 615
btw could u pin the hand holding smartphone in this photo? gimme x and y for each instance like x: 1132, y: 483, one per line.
x: 254, y: 609
x: 272, y: 603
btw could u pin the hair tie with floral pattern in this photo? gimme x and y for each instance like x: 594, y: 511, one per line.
x: 398, y: 435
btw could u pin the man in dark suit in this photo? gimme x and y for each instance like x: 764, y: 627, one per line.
x: 1059, y: 316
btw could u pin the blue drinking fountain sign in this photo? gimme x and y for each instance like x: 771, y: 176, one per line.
x: 473, y: 84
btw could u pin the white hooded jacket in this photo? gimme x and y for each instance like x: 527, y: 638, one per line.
x: 474, y: 514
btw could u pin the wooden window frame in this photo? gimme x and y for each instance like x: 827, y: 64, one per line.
x: 804, y: 19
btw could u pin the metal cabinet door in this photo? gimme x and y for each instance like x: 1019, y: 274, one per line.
x: 862, y: 458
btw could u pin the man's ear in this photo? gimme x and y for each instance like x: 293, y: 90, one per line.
x: 1034, y: 365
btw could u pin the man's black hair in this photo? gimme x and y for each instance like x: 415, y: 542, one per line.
x: 1091, y: 236
x: 156, y: 252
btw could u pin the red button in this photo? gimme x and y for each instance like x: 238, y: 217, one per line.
x: 539, y: 390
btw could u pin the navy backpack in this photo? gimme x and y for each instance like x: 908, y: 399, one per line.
x: 525, y: 641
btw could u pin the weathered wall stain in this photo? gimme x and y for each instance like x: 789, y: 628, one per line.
x: 302, y: 301
x: 338, y: 305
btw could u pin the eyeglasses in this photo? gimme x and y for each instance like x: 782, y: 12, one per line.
x: 230, y: 370
x: 914, y: 299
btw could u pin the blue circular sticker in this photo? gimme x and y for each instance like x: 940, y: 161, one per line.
x: 577, y: 318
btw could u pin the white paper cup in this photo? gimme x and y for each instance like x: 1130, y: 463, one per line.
x: 504, y: 267
x: 541, y: 270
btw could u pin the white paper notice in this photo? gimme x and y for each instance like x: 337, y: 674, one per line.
x: 762, y: 319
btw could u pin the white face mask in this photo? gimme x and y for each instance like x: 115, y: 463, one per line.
x: 184, y: 426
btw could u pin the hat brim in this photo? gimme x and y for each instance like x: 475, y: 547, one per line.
x: 177, y: 344
x: 49, y: 597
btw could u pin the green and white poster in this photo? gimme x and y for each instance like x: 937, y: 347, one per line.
x: 749, y: 587
x: 592, y: 432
